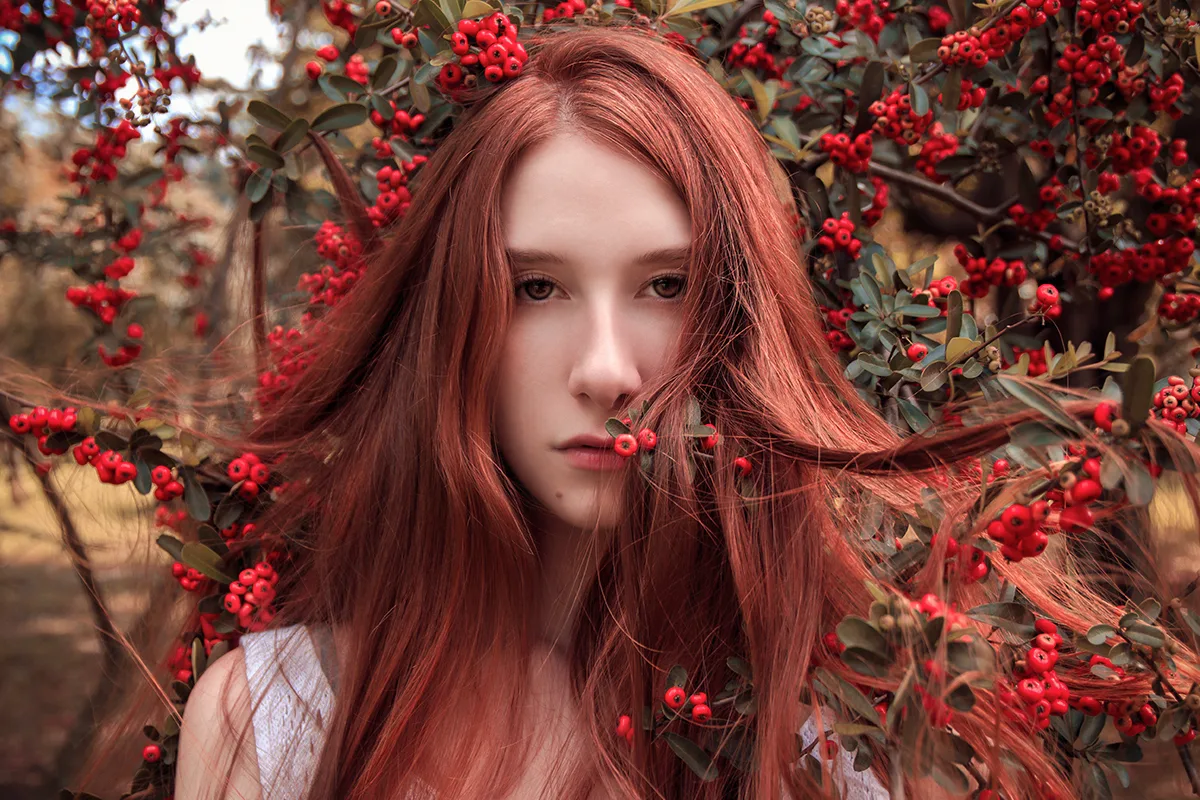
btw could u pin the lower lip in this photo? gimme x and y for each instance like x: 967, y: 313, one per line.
x: 593, y: 458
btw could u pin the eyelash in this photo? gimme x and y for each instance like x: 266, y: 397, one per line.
x: 534, y: 279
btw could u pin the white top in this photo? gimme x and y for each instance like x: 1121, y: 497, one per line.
x: 284, y: 669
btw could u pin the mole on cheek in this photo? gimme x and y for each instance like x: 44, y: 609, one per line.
x: 558, y: 495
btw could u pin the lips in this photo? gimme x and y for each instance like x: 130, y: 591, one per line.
x: 588, y: 441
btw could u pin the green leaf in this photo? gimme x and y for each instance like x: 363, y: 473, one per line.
x: 919, y: 99
x: 858, y: 632
x: 924, y: 312
x: 1013, y: 617
x: 291, y: 137
x: 265, y: 156
x: 1139, y: 486
x: 848, y: 693
x: 1138, y: 390
x: 615, y: 427
x: 1099, y: 634
x: 194, y: 496
x: 204, y: 560
x: 739, y: 666
x: 171, y: 545
x: 385, y: 70
x: 476, y: 8
x: 268, y: 116
x: 913, y: 415
x: 688, y: 6
x: 925, y: 50
x: 1145, y: 634
x: 957, y: 347
x: 677, y: 676
x: 1039, y: 401
x: 691, y: 754
x: 340, y: 117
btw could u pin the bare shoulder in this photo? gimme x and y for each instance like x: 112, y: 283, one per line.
x: 216, y: 738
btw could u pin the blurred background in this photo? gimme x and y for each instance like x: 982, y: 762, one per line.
x: 55, y: 681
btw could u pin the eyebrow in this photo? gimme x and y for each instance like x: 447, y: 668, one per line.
x: 663, y: 255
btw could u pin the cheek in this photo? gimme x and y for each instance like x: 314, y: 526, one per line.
x: 526, y: 378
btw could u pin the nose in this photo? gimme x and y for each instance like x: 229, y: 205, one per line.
x: 605, y: 370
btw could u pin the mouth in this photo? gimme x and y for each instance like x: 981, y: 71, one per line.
x: 592, y: 453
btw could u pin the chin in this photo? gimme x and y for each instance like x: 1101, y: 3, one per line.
x: 589, y: 509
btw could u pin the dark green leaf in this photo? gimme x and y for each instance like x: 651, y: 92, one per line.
x: 925, y: 50
x: 692, y: 755
x: 677, y: 676
x: 172, y: 545
x: 1039, y: 401
x: 1099, y: 634
x: 1138, y: 391
x: 858, y: 632
x: 1139, y: 486
x: 1146, y: 634
x: 616, y: 427
x: 268, y: 116
x: 739, y: 666
x: 339, y: 117
x: 204, y: 560
x: 1013, y: 617
x: 849, y: 694
x: 384, y: 72
x: 258, y: 184
x: 866, y: 662
x: 291, y: 137
x: 961, y: 698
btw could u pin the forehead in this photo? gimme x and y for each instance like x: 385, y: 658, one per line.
x: 572, y: 197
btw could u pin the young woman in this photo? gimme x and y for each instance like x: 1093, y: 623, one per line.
x: 482, y: 586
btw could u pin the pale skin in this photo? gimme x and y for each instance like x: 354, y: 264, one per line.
x: 590, y: 326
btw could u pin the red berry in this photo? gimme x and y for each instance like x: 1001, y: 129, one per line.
x: 383, y: 8
x: 151, y: 753
x: 917, y: 351
x: 1037, y: 660
x: 701, y: 713
x: 675, y: 698
x: 1045, y: 641
x: 624, y: 725
x: 313, y: 69
x: 1017, y: 518
x: 625, y: 445
x: 698, y: 699
x: 1031, y: 690
x: 831, y: 748
x: 742, y: 465
x: 647, y: 439
x: 328, y: 53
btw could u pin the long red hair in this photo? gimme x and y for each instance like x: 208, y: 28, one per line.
x: 411, y: 536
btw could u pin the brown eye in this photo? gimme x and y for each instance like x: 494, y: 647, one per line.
x: 669, y: 287
x: 536, y: 289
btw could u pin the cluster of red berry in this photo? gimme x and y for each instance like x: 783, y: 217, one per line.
x: 497, y: 50
x: 394, y: 197
x: 1181, y: 308
x: 838, y: 234
x: 249, y: 597
x: 896, y: 119
x: 167, y: 486
x: 984, y: 273
x: 967, y: 561
x: 1039, y: 692
x: 1051, y: 195
x: 1165, y: 93
x: 1109, y: 16
x: 166, y: 518
x: 97, y: 164
x: 1150, y: 261
x: 937, y: 148
x: 1177, y: 402
x: 853, y: 154
x: 42, y: 423
x: 1094, y: 64
x: 1046, y: 301
x: 107, y: 19
x: 1018, y: 530
x: 868, y: 16
x: 251, y: 472
x: 962, y: 48
x: 970, y: 95
x: 1175, y: 208
x: 757, y: 56
x: 192, y: 580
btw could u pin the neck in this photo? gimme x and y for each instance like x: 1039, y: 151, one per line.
x: 567, y: 566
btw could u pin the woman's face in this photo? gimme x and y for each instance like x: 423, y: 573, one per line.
x: 597, y: 244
